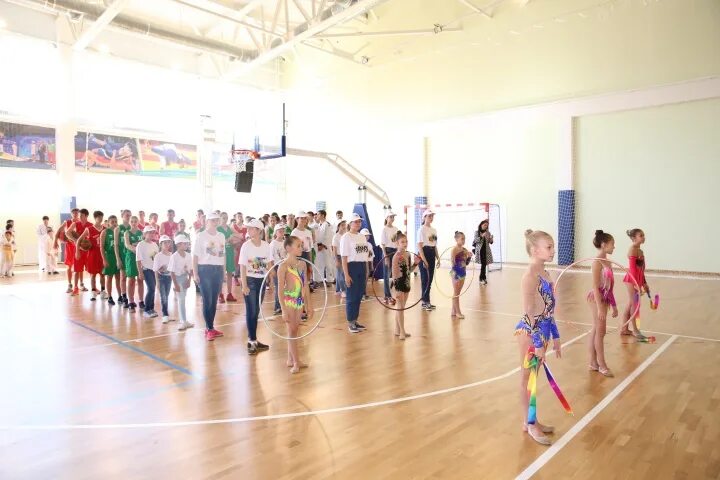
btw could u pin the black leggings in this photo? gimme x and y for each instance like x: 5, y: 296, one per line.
x: 483, y: 263
x: 427, y: 274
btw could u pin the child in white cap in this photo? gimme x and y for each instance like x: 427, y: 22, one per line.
x: 162, y: 275
x: 180, y: 268
x: 145, y: 256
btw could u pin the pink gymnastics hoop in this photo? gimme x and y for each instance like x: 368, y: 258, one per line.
x: 637, y: 285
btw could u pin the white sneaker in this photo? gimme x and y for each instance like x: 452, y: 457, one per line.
x: 343, y: 295
x: 185, y: 326
x: 104, y: 295
x: 147, y: 315
x: 165, y: 319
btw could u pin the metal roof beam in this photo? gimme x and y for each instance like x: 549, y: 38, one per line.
x: 474, y: 7
x: 392, y: 33
x: 225, y: 13
x: 102, y: 21
x: 353, y: 10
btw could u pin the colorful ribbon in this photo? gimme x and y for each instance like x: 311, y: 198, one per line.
x: 556, y: 389
x: 532, y: 363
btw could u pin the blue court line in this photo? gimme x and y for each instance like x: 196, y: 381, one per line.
x: 135, y: 349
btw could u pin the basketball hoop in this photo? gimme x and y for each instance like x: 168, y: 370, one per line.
x: 240, y: 157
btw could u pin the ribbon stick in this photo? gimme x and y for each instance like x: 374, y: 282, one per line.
x: 556, y: 389
x: 650, y: 339
x: 532, y: 393
x: 653, y: 304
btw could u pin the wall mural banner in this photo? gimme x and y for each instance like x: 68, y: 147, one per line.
x: 27, y: 146
x: 98, y: 152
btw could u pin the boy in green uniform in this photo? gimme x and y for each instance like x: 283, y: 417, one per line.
x: 119, y: 234
x: 227, y: 231
x: 110, y: 266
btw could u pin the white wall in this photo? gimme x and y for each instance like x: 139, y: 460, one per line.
x: 657, y: 169
x: 508, y: 159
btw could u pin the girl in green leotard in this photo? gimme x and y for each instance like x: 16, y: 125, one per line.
x: 296, y: 295
x: 132, y: 238
x: 227, y: 231
x: 110, y: 266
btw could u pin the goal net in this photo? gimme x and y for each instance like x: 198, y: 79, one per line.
x: 457, y: 217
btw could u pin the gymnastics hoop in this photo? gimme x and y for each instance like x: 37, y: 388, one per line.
x: 437, y: 285
x: 322, y: 315
x: 637, y: 285
x: 382, y: 262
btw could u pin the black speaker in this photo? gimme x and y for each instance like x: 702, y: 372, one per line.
x: 244, y: 180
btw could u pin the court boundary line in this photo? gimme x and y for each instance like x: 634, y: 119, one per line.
x: 555, y: 448
x: 135, y: 349
x: 651, y: 274
x: 279, y: 416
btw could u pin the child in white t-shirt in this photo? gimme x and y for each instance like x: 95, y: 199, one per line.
x: 164, y: 282
x: 7, y: 254
x: 50, y: 253
x: 180, y: 268
x: 144, y: 256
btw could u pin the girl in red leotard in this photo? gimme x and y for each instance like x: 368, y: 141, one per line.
x: 636, y: 258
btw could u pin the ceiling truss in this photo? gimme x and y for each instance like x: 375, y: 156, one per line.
x: 246, y: 37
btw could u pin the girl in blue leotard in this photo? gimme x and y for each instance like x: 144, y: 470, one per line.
x: 460, y: 258
x: 537, y: 326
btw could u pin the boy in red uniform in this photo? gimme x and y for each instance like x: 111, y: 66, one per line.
x: 169, y: 227
x: 81, y: 256
x: 61, y: 236
x: 94, y: 263
x: 141, y: 219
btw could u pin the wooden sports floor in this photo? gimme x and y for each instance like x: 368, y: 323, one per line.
x: 93, y: 392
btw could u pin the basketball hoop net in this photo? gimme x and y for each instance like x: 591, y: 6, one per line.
x: 240, y: 157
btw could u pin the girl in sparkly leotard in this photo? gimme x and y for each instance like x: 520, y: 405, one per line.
x: 600, y: 298
x: 295, y: 291
x: 460, y: 258
x: 537, y: 326
x: 402, y: 266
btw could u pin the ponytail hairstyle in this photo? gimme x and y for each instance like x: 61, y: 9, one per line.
x: 633, y: 232
x: 458, y: 234
x: 601, y: 237
x: 533, y: 236
x: 398, y: 236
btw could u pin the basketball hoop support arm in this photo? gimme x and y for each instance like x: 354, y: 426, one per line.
x: 349, y: 170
